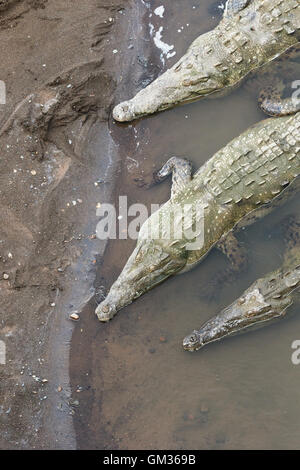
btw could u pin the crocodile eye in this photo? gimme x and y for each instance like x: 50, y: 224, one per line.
x: 193, y: 338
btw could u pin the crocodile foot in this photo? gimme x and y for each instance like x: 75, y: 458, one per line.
x: 271, y: 102
x: 181, y: 171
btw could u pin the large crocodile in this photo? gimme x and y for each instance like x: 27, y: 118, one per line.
x: 239, y: 183
x: 251, y: 34
x: 266, y: 300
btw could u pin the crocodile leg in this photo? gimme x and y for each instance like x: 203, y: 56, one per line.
x: 270, y: 98
x: 231, y: 247
x: 292, y: 233
x: 233, y: 7
x: 181, y: 170
x: 271, y: 102
x: 292, y: 240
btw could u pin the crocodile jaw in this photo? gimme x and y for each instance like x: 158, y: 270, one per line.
x: 162, y: 94
x: 193, y: 342
x: 267, y: 299
x: 142, y: 106
x: 188, y: 80
x: 124, y: 112
x: 149, y: 265
x: 242, y: 314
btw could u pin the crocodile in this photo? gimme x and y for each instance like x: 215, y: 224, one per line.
x: 241, y: 182
x: 267, y: 300
x: 251, y: 34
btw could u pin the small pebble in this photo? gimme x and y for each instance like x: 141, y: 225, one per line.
x: 204, y: 409
x: 74, y: 316
x: 5, y: 276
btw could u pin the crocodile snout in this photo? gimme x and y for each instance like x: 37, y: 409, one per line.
x: 123, y: 112
x: 105, y: 312
x: 192, y: 342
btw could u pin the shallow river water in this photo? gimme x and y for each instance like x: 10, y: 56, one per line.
x: 138, y: 388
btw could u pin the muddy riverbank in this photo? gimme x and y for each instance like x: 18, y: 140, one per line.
x: 57, y: 161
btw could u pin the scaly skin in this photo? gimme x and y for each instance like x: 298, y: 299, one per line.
x: 218, y: 60
x: 265, y: 301
x: 242, y: 181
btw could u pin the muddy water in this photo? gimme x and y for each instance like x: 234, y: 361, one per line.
x: 136, y: 387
